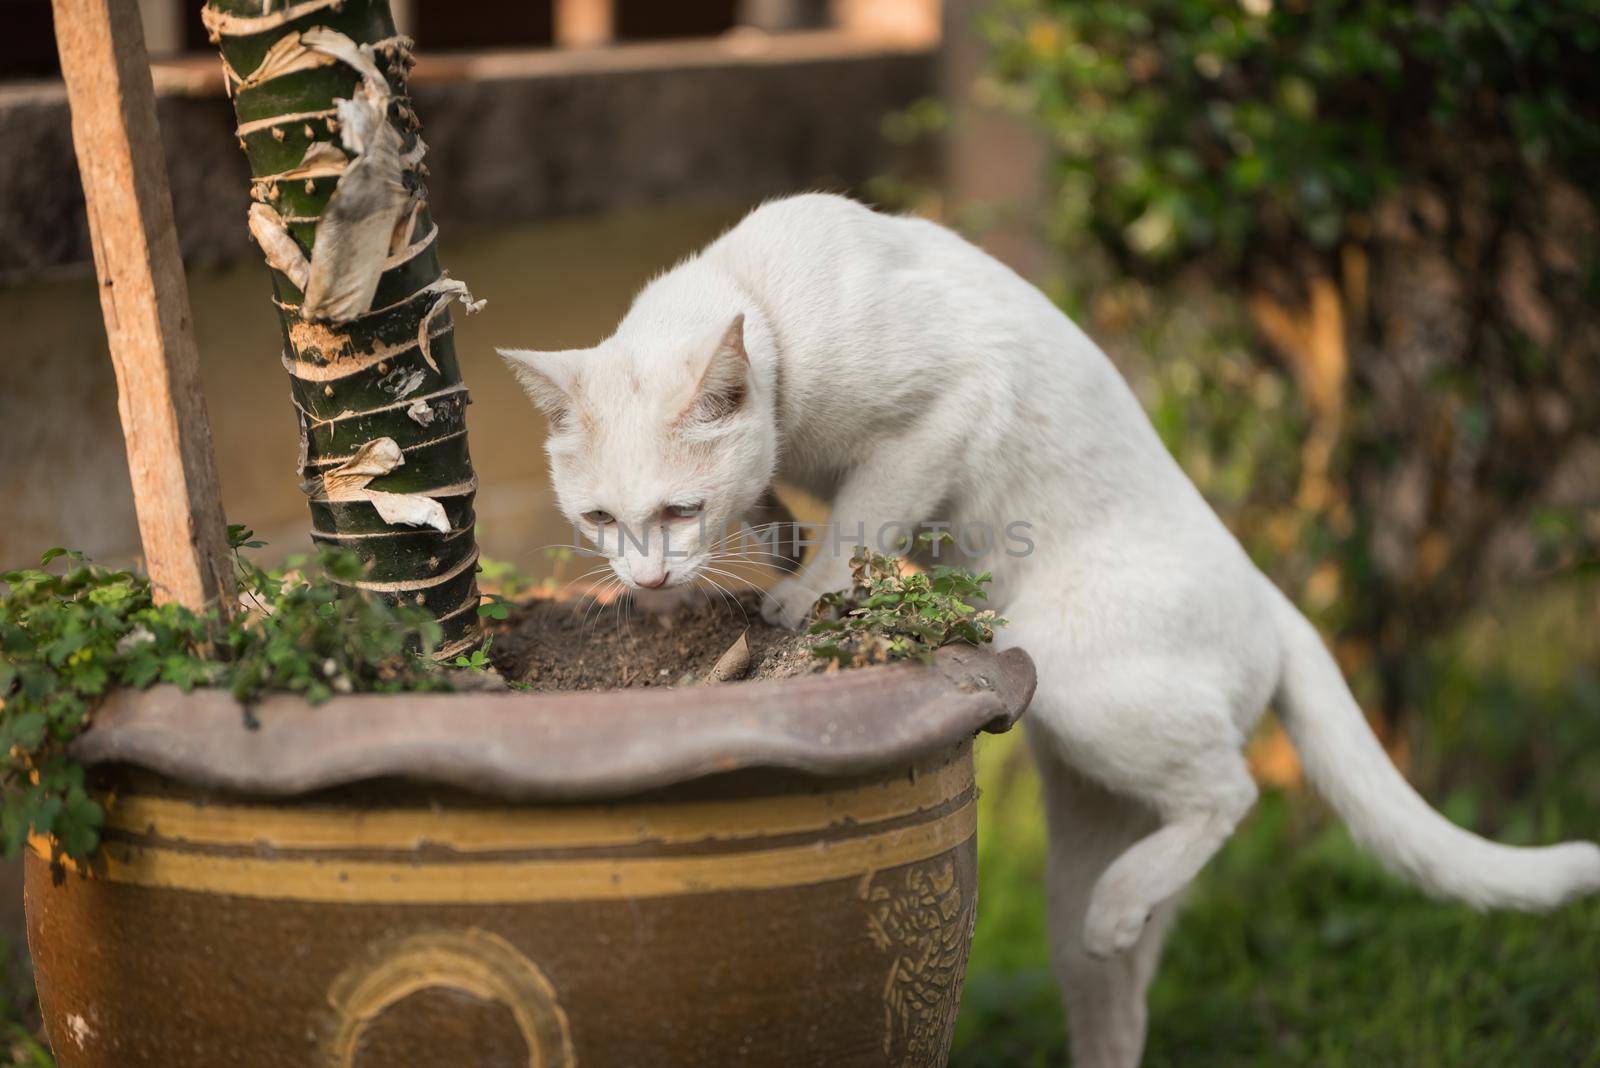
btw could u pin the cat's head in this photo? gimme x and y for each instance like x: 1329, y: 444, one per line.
x: 657, y: 448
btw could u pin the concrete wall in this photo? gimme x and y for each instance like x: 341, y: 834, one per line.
x: 513, y: 137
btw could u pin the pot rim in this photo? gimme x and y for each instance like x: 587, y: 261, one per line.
x: 579, y: 746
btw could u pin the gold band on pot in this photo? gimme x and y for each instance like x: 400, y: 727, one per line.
x: 292, y: 853
x: 488, y: 830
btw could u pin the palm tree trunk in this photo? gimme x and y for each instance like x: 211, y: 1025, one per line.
x: 339, y: 208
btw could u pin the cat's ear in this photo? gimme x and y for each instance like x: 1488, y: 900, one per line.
x: 724, y: 378
x: 548, y: 377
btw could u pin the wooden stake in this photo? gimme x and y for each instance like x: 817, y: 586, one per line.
x: 585, y: 23
x: 145, y: 301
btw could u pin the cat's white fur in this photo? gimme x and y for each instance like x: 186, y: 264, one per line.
x: 890, y: 367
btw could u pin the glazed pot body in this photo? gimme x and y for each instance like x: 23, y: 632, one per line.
x: 761, y: 918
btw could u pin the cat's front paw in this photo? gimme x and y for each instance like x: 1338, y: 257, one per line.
x: 788, y: 604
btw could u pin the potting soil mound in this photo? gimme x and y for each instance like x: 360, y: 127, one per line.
x: 551, y: 645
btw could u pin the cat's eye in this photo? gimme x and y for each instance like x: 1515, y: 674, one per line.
x: 598, y: 518
x: 685, y: 511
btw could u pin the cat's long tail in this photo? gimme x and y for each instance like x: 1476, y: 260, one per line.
x: 1345, y: 762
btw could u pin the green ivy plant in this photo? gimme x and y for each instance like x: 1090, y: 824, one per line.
x: 890, y: 613
x: 1223, y: 126
x: 71, y: 630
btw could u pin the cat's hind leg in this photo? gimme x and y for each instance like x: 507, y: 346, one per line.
x: 1156, y: 733
x: 1089, y: 828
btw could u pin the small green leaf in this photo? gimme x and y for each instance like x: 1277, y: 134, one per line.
x: 45, y: 815
x: 78, y: 839
x: 27, y: 730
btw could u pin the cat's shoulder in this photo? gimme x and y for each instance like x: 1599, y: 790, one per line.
x: 814, y: 206
x: 811, y: 217
x: 822, y: 228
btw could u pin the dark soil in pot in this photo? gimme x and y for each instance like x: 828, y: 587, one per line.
x: 582, y: 644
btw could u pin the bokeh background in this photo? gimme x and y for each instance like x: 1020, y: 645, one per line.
x: 1348, y: 253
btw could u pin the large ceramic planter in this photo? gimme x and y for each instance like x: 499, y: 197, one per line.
x: 768, y: 874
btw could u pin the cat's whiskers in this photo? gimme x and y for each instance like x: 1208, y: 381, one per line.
x: 718, y: 569
x: 770, y: 561
x: 734, y: 560
x: 595, y: 584
x: 591, y: 573
x: 579, y: 550
x: 598, y: 603
x: 589, y: 609
x: 625, y: 609
x: 694, y: 584
x: 754, y: 535
x: 734, y: 577
x: 730, y: 598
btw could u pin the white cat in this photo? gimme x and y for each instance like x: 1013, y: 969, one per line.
x: 888, y: 366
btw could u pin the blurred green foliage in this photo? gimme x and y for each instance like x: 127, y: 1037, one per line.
x: 1219, y: 125
x: 19, y: 1016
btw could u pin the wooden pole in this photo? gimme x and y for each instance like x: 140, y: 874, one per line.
x: 585, y: 23
x: 145, y: 301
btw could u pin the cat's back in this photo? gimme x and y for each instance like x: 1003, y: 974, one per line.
x: 829, y: 260
x: 883, y: 317
x: 814, y: 233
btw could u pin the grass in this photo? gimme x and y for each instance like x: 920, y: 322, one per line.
x: 18, y: 1013
x: 1296, y: 948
